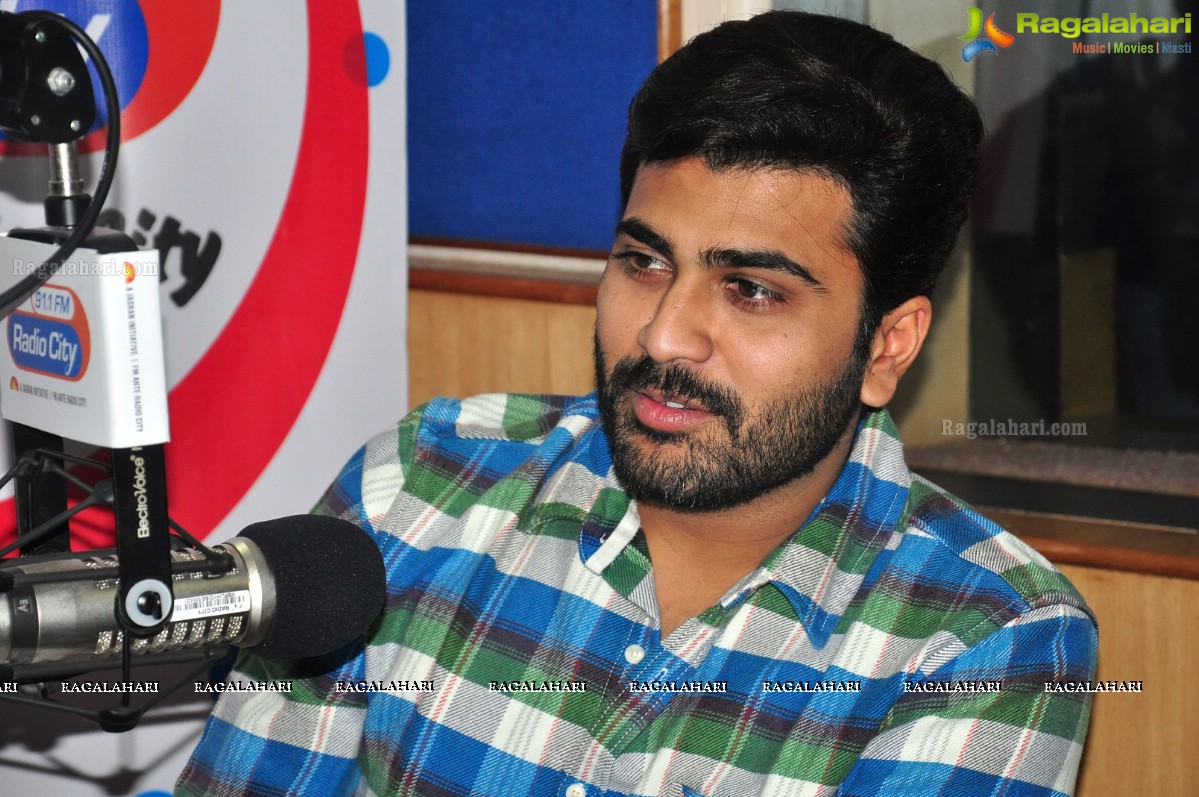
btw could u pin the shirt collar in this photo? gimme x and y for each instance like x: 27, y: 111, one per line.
x: 818, y: 569
x: 822, y: 566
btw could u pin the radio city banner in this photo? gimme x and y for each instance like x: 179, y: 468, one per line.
x: 262, y: 159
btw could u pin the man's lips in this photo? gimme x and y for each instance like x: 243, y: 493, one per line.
x: 667, y: 413
x: 674, y: 402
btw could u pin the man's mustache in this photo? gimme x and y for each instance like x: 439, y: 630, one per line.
x: 679, y: 384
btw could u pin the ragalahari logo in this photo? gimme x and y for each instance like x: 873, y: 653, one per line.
x: 130, y: 272
x: 983, y: 36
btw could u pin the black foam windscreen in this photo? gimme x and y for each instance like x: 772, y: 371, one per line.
x: 330, y: 583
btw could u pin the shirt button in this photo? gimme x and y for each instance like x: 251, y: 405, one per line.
x: 576, y: 790
x: 633, y: 654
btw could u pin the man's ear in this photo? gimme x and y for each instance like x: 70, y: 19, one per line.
x: 896, y: 342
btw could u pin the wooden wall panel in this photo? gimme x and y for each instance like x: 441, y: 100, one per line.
x: 1142, y: 743
x: 460, y: 345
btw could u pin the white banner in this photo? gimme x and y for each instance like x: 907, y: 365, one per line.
x: 264, y: 158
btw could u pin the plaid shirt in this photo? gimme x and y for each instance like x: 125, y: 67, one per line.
x: 897, y: 644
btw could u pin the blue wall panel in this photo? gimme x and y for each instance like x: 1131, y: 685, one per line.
x: 516, y: 116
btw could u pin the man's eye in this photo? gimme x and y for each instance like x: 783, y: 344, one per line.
x: 751, y: 295
x: 634, y: 262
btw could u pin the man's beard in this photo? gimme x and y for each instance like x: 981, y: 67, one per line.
x: 718, y: 468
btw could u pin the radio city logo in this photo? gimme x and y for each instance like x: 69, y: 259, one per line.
x: 983, y: 37
x: 53, y: 338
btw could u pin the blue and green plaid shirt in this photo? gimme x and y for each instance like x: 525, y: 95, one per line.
x: 897, y: 644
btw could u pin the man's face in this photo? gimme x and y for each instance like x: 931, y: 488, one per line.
x: 728, y: 354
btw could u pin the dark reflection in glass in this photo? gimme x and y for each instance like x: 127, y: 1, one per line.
x: 1085, y: 244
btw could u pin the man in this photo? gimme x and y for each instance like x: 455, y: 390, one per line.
x: 716, y: 576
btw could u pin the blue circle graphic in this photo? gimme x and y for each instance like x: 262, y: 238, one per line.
x: 378, y: 58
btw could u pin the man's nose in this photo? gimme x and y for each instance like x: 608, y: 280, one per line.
x: 680, y: 327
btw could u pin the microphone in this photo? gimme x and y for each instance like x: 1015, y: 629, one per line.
x: 299, y: 587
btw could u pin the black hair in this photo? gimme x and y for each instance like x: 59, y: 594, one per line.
x: 796, y: 90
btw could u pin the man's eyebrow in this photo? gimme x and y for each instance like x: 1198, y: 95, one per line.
x: 642, y: 233
x: 767, y: 259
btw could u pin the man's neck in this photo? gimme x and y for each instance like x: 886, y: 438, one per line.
x: 698, y: 556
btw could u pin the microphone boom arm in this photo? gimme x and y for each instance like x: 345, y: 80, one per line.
x: 46, y: 97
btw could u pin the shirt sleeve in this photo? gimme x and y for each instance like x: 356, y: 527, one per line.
x: 300, y: 742
x: 304, y: 741
x: 1026, y: 738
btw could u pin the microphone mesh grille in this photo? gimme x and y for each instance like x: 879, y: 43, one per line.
x: 330, y: 583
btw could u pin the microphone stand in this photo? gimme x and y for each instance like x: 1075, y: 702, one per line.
x: 134, y: 485
x: 40, y: 498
